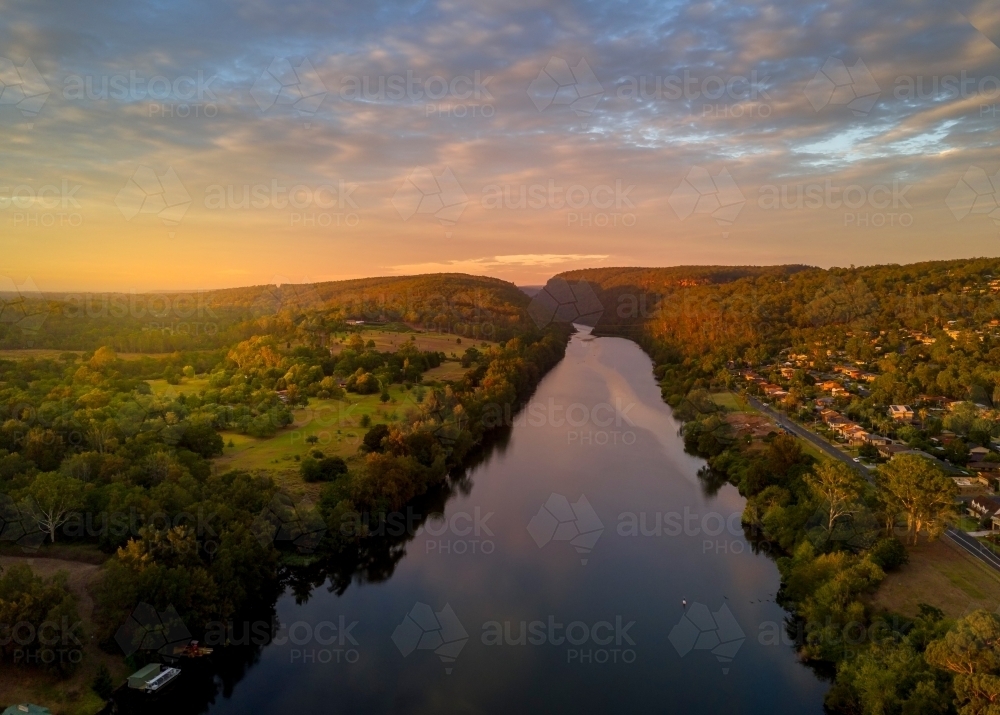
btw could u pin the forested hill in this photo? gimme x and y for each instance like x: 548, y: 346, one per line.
x: 732, y: 309
x: 476, y: 306
x: 385, y: 296
x: 674, y: 276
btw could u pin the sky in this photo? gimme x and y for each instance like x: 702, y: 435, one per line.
x: 192, y: 145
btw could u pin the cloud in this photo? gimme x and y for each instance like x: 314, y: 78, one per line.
x: 652, y: 139
x: 499, y: 263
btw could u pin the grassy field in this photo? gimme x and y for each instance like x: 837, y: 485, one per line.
x: 336, y: 424
x: 814, y: 451
x: 732, y: 402
x: 37, y: 354
x: 41, y: 354
x: 449, y: 370
x: 391, y: 340
x: 188, y: 386
x: 943, y: 576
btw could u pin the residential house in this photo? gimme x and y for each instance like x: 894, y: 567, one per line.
x: 978, y: 454
x: 831, y: 416
x: 775, y: 391
x: 968, y: 486
x: 984, y: 508
x: 890, y: 450
x: 857, y: 436
x: 903, y: 413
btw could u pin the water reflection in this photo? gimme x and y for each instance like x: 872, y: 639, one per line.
x: 584, y: 563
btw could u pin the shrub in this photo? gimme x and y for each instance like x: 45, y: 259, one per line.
x: 889, y: 553
x: 103, y: 685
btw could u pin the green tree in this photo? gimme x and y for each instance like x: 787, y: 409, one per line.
x: 840, y: 488
x: 201, y: 438
x: 51, y: 499
x: 972, y: 652
x: 373, y: 439
x: 103, y: 685
x: 914, y: 486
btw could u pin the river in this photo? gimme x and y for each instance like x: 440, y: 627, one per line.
x: 555, y: 581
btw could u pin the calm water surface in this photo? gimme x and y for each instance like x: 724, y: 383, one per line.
x: 596, y: 429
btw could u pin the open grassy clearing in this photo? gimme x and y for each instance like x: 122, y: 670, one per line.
x: 943, y: 576
x: 732, y: 402
x: 392, y: 340
x: 188, y: 386
x: 448, y: 370
x: 336, y: 424
x: 46, y: 354
x: 39, y: 354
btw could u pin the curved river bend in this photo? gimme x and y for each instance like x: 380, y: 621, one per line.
x: 581, y: 612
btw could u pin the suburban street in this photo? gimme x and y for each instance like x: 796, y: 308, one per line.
x: 972, y: 546
x: 813, y: 439
x: 963, y: 540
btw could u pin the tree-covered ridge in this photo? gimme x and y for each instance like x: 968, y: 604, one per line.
x: 654, y: 279
x: 690, y: 307
x: 474, y: 306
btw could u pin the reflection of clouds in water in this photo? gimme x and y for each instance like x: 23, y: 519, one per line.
x: 655, y: 419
